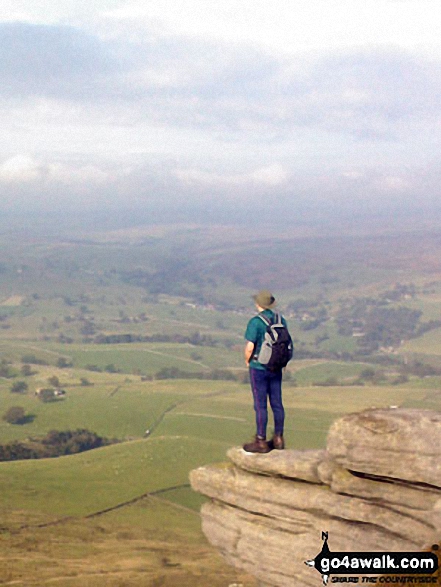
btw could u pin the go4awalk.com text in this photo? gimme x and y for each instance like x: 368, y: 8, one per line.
x: 399, y: 568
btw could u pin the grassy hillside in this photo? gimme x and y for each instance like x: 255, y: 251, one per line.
x: 180, y: 299
x: 125, y: 512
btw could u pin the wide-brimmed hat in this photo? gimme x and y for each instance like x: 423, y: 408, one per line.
x: 264, y: 299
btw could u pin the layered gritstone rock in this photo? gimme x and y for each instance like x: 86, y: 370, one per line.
x: 376, y: 488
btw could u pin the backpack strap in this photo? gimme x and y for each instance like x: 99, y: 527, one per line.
x: 276, y: 320
x: 266, y: 320
x: 269, y: 323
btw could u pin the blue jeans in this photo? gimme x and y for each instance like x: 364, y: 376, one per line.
x: 266, y: 384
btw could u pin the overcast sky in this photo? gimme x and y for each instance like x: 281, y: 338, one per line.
x: 189, y: 103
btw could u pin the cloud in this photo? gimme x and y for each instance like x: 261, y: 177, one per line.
x: 372, y: 92
x: 113, y: 119
x: 236, y: 90
x: 270, y: 176
x: 393, y: 184
x: 51, y: 60
x: 157, y: 190
x: 86, y: 174
x: 289, y: 26
x: 18, y: 169
x: 26, y: 169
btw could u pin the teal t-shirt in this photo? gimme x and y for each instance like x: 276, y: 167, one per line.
x: 255, y: 333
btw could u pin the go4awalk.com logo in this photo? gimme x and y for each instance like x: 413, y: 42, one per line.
x: 407, y: 567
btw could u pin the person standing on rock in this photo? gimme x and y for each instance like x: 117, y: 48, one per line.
x: 266, y: 358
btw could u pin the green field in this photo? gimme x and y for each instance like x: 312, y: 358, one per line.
x: 124, y: 514
x: 428, y: 344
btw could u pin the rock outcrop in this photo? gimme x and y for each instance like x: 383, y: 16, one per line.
x: 376, y: 487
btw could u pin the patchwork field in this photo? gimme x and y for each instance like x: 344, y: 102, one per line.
x: 151, y: 355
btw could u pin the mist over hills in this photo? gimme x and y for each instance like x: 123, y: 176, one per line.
x: 276, y: 213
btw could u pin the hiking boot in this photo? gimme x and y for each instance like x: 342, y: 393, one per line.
x: 259, y: 445
x: 278, y: 442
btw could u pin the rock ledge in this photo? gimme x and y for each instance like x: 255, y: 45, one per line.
x: 376, y: 487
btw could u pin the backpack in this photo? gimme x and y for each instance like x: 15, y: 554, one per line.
x: 277, y: 347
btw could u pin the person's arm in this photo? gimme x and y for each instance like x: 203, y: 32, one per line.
x: 248, y: 351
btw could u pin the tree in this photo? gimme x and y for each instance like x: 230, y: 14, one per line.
x: 26, y: 370
x: 15, y: 415
x: 63, y: 363
x: 368, y: 373
x: 19, y: 387
x: 46, y: 395
x: 88, y: 328
x: 93, y: 368
x: 4, y: 370
x: 33, y: 360
x: 54, y: 444
x: 54, y: 381
x: 329, y: 382
x: 85, y: 382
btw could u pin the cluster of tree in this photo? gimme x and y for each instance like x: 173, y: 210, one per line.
x: 419, y: 369
x: 426, y: 326
x: 214, y: 374
x: 328, y: 382
x: 196, y: 339
x: 46, y: 394
x: 54, y: 381
x: 16, y: 415
x: 19, y: 387
x: 88, y: 328
x: 313, y: 322
x: 64, y: 339
x: 310, y: 313
x: 398, y: 375
x: 124, y: 318
x: 302, y: 352
x: 49, y: 394
x: 399, y: 292
x: 389, y: 326
x: 174, y: 275
x: 27, y: 371
x: 377, y: 324
x: 110, y: 368
x: 352, y: 314
x: 368, y: 375
x: 8, y: 372
x: 63, y: 363
x: 80, y: 299
x: 5, y: 369
x: 33, y: 360
x: 54, y: 444
x: 301, y: 305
